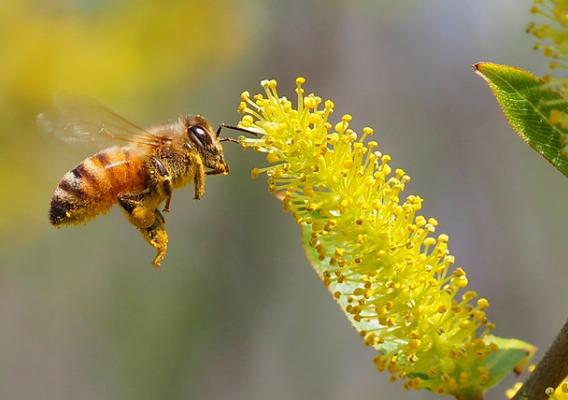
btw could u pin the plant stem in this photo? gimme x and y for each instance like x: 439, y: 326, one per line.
x: 550, y: 371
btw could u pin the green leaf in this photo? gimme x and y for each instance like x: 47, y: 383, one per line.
x: 511, y: 355
x: 527, y: 105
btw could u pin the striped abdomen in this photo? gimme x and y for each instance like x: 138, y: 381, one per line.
x: 92, y: 187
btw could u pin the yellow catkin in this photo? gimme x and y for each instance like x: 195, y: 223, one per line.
x: 381, y: 260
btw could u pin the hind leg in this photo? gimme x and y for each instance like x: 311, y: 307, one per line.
x: 157, y: 237
x: 139, y: 212
x: 148, y: 220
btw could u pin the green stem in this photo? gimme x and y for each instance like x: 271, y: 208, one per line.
x: 550, y: 371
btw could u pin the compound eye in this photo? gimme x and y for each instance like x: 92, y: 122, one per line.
x: 200, y: 135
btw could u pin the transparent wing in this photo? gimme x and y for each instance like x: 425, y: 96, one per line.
x: 85, y: 120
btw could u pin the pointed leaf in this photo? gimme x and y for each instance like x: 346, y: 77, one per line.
x: 526, y: 105
x: 511, y: 355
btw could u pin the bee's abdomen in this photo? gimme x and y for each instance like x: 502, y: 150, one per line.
x: 92, y: 187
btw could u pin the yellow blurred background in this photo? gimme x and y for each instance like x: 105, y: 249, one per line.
x: 236, y: 312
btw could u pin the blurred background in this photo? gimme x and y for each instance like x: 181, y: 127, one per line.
x: 236, y: 312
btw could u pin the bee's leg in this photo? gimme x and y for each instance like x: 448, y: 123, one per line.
x: 167, y: 188
x: 199, y: 177
x: 150, y: 222
x: 139, y: 214
x: 157, y: 237
x: 162, y: 180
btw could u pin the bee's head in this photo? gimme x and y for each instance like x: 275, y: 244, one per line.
x: 199, y: 134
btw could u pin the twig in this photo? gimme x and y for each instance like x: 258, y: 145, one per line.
x: 550, y: 371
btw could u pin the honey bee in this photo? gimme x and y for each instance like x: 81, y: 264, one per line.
x: 139, y: 169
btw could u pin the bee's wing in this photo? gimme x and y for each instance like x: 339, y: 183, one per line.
x: 81, y: 119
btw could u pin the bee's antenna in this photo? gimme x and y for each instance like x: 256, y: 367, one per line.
x: 236, y: 128
x: 228, y: 139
